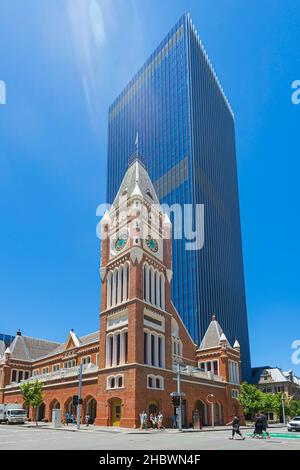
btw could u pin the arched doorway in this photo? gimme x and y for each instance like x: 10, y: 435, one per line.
x: 70, y: 408
x: 116, y: 411
x: 219, y: 414
x: 202, y: 408
x: 91, y: 409
x: 54, y: 405
x: 153, y: 407
x: 40, y: 414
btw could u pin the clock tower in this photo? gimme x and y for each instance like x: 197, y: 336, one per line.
x: 142, y: 337
x: 135, y: 273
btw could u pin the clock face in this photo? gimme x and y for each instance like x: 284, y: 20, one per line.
x: 152, y: 244
x: 120, y: 243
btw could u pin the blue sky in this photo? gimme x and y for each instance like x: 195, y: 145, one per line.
x: 63, y: 62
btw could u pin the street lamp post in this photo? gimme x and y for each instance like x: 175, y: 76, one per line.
x: 79, y: 396
x: 283, y: 409
x: 212, y: 409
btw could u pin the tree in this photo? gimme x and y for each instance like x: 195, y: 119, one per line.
x: 251, y: 399
x: 32, y: 395
x: 293, y: 409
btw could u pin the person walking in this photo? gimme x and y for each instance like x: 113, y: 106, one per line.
x: 160, y: 418
x: 67, y: 415
x: 87, y: 419
x: 152, y: 420
x: 235, y: 427
x: 143, y: 420
x: 265, y: 424
x: 258, y: 427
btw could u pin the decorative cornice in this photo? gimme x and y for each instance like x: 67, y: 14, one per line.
x: 136, y: 254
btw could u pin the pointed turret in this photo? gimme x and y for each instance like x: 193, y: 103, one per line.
x: 214, y: 335
x: 136, y: 182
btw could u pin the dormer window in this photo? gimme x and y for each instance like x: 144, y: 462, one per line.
x: 148, y: 192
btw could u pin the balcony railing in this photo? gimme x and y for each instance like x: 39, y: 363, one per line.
x: 60, y: 374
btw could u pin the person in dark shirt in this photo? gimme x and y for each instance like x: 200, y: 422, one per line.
x: 258, y: 429
x: 265, y: 424
x: 235, y: 427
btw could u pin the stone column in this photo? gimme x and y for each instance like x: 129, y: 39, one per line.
x: 119, y: 293
x: 114, y: 361
x: 122, y: 343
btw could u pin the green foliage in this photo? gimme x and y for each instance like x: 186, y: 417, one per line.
x: 32, y: 394
x: 254, y: 400
x: 251, y: 399
x: 293, y: 409
x: 26, y: 392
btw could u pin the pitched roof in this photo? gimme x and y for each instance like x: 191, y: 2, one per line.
x: 137, y: 182
x: 90, y: 338
x: 26, y: 348
x: 213, y: 335
x: 83, y: 340
x: 275, y: 374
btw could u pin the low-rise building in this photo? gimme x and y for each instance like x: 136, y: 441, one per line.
x: 275, y: 380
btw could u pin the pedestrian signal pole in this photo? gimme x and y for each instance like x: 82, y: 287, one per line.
x: 179, y: 394
x: 79, y: 397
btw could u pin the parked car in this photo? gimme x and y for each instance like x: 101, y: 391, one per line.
x: 294, y: 424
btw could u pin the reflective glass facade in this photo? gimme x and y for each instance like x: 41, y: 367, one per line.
x: 187, y: 141
x: 7, y: 339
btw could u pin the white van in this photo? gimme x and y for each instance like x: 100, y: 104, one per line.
x: 12, y: 413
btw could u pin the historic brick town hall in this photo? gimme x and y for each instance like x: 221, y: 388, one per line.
x: 130, y: 364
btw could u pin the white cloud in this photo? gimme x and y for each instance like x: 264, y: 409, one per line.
x: 97, y: 22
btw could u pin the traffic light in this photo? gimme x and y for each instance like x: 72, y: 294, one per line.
x: 176, y: 400
x: 75, y: 400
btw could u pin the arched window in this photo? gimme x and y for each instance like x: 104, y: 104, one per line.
x: 154, y: 349
x: 162, y: 292
x: 155, y: 381
x: 108, y: 293
x: 151, y: 286
x: 114, y: 287
x: 117, y: 348
x: 118, y: 285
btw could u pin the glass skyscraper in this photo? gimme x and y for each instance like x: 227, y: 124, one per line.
x: 187, y: 141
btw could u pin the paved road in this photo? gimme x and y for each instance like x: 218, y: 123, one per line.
x: 18, y: 437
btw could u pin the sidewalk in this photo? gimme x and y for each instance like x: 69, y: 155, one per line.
x: 119, y: 430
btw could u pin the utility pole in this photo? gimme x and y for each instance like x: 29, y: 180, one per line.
x: 79, y: 396
x: 179, y: 393
x: 283, y: 409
